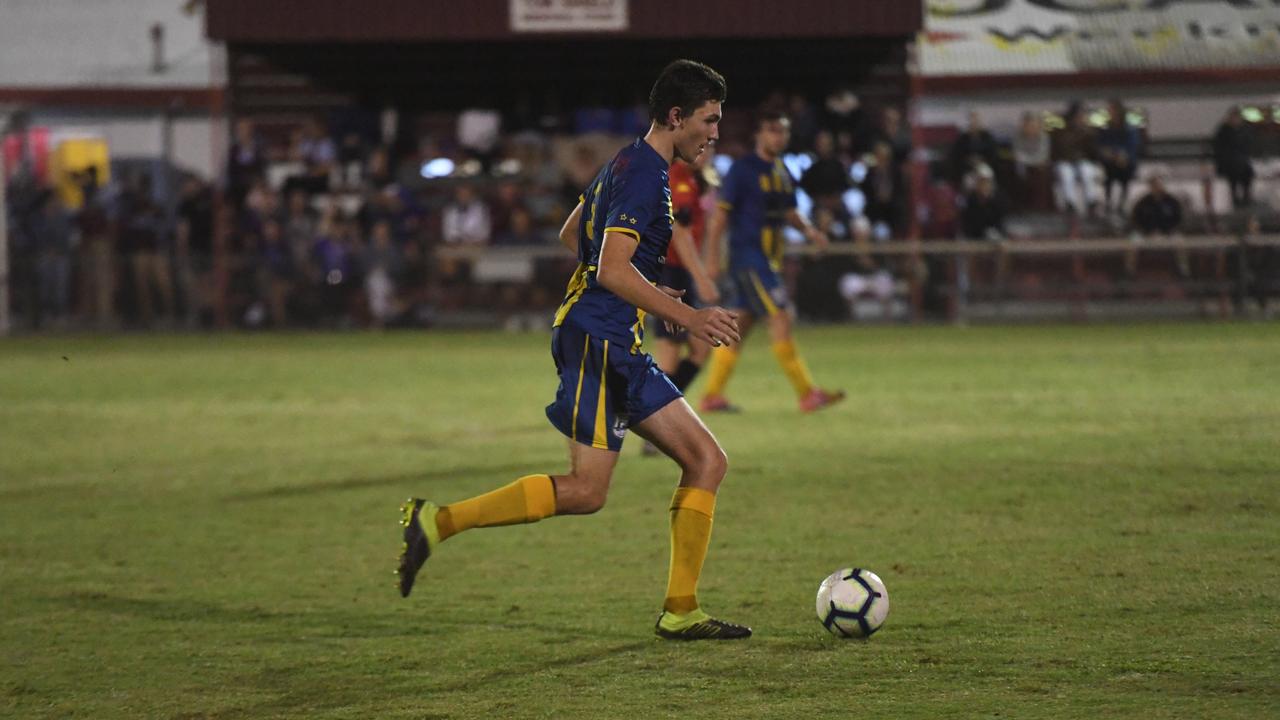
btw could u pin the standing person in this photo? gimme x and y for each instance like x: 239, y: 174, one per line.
x: 757, y: 199
x: 620, y: 230
x: 684, y: 271
x: 98, y: 241
x: 1231, y: 157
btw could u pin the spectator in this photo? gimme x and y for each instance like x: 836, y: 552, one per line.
x: 521, y: 230
x: 53, y: 236
x: 973, y: 148
x: 142, y: 240
x: 843, y: 117
x: 804, y: 124
x: 318, y: 154
x: 1074, y: 155
x: 1119, y: 145
x: 982, y: 218
x: 827, y: 179
x: 466, y: 219
x: 98, y: 243
x: 300, y: 223
x: 582, y: 170
x: 870, y: 276
x: 884, y: 192
x: 277, y: 272
x: 382, y: 269
x: 894, y: 132
x: 984, y: 210
x: 1031, y: 162
x: 1156, y: 213
x: 506, y: 200
x: 193, y: 251
x: 334, y: 256
x: 1232, y: 150
x: 246, y: 162
x: 478, y: 133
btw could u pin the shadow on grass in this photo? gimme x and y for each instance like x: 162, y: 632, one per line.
x: 311, y: 623
x: 359, y: 483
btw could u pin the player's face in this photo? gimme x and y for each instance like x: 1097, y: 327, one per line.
x: 698, y: 131
x: 773, y: 136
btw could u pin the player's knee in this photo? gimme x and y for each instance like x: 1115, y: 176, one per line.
x: 711, y: 462
x: 592, y: 501
x: 579, y: 493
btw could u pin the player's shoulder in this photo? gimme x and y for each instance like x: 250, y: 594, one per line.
x: 638, y: 167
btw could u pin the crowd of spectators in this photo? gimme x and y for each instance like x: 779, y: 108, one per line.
x: 355, y: 224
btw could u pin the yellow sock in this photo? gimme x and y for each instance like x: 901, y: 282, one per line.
x: 691, y: 511
x: 722, y: 361
x: 793, y: 366
x: 526, y: 500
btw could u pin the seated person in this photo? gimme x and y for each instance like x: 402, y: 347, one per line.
x: 1160, y: 213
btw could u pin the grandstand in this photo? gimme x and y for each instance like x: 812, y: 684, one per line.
x: 381, y: 113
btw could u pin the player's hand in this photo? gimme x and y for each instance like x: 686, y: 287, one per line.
x: 675, y: 295
x: 716, y: 326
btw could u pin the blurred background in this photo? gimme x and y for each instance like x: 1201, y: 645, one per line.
x: 202, y: 165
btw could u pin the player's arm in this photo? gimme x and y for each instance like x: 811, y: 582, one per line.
x: 682, y: 239
x: 711, y: 243
x: 569, y: 232
x: 714, y: 325
x: 811, y: 233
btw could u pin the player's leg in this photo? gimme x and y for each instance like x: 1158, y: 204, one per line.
x: 584, y: 412
x: 682, y: 436
x: 773, y: 294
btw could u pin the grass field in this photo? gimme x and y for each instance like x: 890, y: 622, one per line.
x: 1071, y: 521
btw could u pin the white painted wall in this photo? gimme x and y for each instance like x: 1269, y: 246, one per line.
x: 104, y: 43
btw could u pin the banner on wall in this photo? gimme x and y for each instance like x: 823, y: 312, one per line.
x: 569, y: 15
x: 1004, y: 37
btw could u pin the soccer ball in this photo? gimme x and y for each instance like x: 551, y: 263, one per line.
x: 852, y: 602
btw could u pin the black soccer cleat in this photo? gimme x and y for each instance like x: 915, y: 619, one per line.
x: 418, y: 541
x: 703, y: 628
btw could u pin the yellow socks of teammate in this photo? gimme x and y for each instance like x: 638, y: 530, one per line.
x: 723, y: 359
x: 794, y: 367
x: 526, y: 500
x: 691, y: 511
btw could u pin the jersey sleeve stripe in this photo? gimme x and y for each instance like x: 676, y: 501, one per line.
x: 628, y: 231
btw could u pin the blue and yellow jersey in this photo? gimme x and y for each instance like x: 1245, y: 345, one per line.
x: 630, y: 195
x: 757, y: 193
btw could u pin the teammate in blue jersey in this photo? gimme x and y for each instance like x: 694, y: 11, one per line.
x: 757, y: 199
x: 620, y: 231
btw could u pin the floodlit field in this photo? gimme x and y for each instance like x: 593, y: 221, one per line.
x: 1071, y: 521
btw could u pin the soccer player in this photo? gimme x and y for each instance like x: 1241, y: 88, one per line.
x: 757, y: 198
x: 685, y: 271
x: 620, y: 230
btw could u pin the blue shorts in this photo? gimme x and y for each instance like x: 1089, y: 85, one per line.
x: 604, y: 389
x: 759, y: 293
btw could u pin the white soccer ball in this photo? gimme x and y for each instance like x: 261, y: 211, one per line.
x: 852, y: 602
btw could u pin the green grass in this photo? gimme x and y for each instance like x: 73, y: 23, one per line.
x: 1071, y: 522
